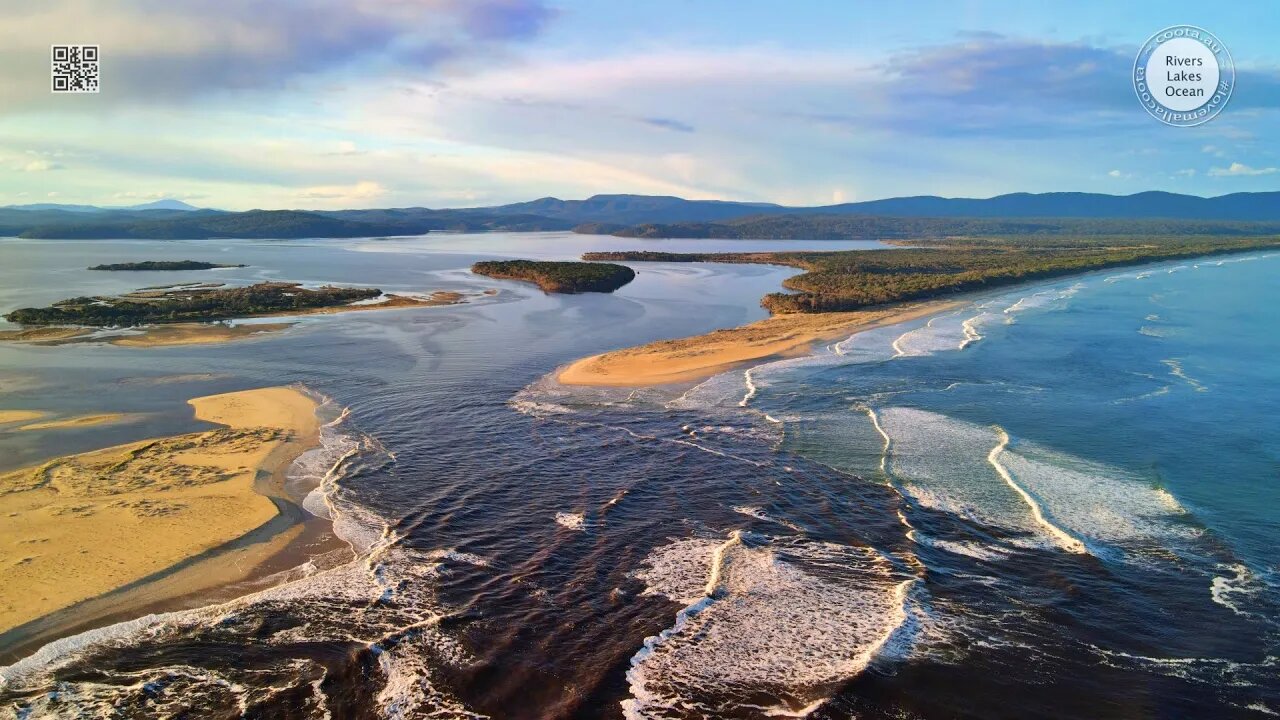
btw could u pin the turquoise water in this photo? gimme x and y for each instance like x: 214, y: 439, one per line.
x: 1165, y: 378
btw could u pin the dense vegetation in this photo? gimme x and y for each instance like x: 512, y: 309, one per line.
x: 559, y: 277
x: 848, y: 280
x: 164, y: 265
x: 189, y: 304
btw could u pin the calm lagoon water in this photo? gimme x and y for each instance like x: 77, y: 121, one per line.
x: 1056, y: 500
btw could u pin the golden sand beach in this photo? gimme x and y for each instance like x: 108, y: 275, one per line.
x: 82, y: 525
x: 701, y: 356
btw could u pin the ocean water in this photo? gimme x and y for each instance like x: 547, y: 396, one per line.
x: 1056, y: 500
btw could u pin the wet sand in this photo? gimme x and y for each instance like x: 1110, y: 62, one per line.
x: 80, y: 421
x: 701, y: 356
x: 195, y: 334
x: 16, y: 416
x: 81, y: 526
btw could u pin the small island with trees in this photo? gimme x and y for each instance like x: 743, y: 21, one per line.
x: 559, y: 277
x: 163, y: 265
x: 190, y: 304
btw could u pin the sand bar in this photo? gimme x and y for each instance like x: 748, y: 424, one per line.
x: 195, y: 334
x: 82, y: 525
x: 42, y: 335
x: 80, y: 421
x: 17, y: 416
x: 701, y: 356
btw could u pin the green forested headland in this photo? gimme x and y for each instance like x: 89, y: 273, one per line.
x: 853, y: 279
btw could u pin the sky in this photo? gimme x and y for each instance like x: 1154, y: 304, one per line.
x: 325, y: 104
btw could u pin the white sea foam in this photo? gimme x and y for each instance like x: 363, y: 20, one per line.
x: 788, y: 621
x: 1064, y: 539
x: 1101, y: 503
x: 1215, y: 672
x: 1176, y: 370
x: 751, y: 388
x: 459, y: 556
x: 538, y: 409
x: 940, y: 333
x: 1162, y: 390
x: 970, y: 328
x: 1071, y: 502
x: 572, y: 521
x: 977, y: 551
x: 1042, y: 299
x: 941, y: 463
x: 759, y: 514
x: 1231, y: 591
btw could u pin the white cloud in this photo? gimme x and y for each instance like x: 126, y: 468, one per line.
x: 41, y: 166
x: 1116, y: 174
x: 53, y: 194
x: 363, y: 190
x: 1241, y: 169
x: 166, y: 52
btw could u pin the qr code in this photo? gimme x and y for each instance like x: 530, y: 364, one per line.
x: 74, y: 68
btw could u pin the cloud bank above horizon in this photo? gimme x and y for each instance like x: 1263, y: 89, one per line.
x: 363, y: 103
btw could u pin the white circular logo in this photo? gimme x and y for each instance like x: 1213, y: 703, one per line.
x: 1183, y: 76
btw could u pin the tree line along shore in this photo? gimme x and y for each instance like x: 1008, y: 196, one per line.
x: 836, y: 281
x: 188, y: 304
x: 559, y: 277
x: 155, y: 265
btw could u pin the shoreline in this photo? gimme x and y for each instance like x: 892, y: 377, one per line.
x: 253, y: 531
x: 699, y: 357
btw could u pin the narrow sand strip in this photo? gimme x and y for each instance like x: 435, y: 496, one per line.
x: 195, y: 334
x: 80, y: 421
x: 701, y: 356
x: 82, y: 525
x: 17, y: 416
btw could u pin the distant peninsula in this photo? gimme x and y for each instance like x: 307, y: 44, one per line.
x: 845, y: 280
x: 190, y: 304
x: 559, y: 277
x: 163, y: 265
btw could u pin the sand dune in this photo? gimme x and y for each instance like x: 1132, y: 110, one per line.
x: 82, y: 525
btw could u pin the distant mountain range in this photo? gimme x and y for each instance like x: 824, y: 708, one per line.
x: 665, y: 216
x: 164, y: 204
x: 636, y: 209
